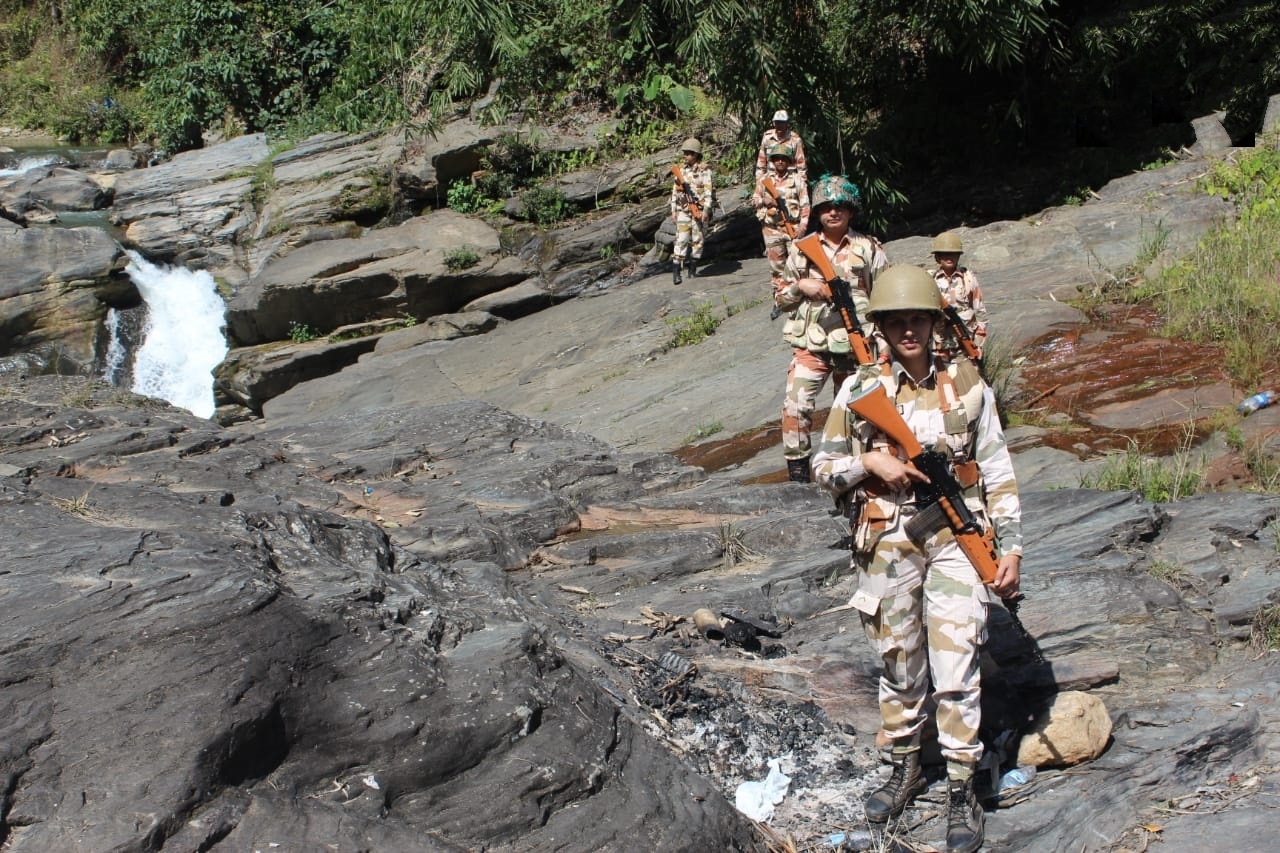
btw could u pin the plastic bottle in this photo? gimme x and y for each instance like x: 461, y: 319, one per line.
x: 1016, y: 777
x: 1258, y: 401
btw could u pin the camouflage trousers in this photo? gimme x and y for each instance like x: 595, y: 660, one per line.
x: 776, y: 246
x: 928, y: 629
x: 805, y: 378
x: 688, y: 237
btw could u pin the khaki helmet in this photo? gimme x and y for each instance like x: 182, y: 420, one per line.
x: 947, y: 241
x: 904, y: 288
x: 835, y: 189
x: 782, y: 150
x: 692, y: 144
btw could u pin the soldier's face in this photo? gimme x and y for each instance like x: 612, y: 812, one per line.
x: 781, y: 128
x: 908, y: 332
x: 780, y: 164
x: 690, y: 157
x: 947, y: 261
x: 834, y: 217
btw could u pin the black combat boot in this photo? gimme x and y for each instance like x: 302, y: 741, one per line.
x: 904, y: 783
x: 798, y: 470
x: 692, y: 264
x: 675, y: 272
x: 964, y: 817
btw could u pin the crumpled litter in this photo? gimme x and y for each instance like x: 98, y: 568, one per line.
x: 757, y: 799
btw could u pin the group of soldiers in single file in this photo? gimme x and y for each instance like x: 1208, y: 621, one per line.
x: 920, y: 595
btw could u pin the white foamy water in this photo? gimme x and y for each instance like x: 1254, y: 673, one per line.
x: 183, y: 340
x: 26, y: 164
x: 115, y: 347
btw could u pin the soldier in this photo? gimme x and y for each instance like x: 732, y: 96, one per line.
x: 814, y: 328
x: 960, y: 288
x: 692, y: 195
x: 781, y: 133
x: 921, y: 602
x: 781, y: 225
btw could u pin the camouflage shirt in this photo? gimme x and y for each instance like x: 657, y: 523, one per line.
x: 771, y: 139
x: 962, y: 291
x: 793, y: 192
x: 699, y: 177
x: 969, y: 430
x: 815, y: 325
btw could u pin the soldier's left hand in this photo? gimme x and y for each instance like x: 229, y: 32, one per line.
x: 1008, y: 576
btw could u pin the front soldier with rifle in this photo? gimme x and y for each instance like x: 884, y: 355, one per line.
x: 692, y: 197
x: 917, y: 455
x: 814, y: 327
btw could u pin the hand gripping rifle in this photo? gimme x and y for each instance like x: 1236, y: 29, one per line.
x: 941, y: 498
x: 962, y: 333
x: 690, y: 197
x: 789, y: 223
x: 841, y: 296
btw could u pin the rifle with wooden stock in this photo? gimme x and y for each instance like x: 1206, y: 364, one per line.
x: 789, y: 223
x: 690, y: 197
x: 962, y: 334
x: 841, y: 296
x: 942, y: 497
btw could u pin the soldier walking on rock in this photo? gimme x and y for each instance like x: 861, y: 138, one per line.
x: 920, y: 599
x: 782, y: 206
x: 959, y: 286
x: 692, y: 196
x: 814, y: 327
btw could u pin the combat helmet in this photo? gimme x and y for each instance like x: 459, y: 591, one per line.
x: 904, y: 288
x: 835, y: 189
x: 947, y: 241
x: 692, y: 144
x: 782, y: 150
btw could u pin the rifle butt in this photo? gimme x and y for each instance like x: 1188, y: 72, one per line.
x: 874, y: 406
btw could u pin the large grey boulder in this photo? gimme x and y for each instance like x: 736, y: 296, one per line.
x: 385, y: 273
x: 55, y: 286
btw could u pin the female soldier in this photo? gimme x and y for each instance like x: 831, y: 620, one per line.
x: 921, y: 602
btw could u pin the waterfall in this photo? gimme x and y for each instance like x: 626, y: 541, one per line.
x: 182, y: 342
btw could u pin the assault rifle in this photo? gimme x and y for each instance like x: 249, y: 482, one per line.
x: 690, y: 197
x: 841, y: 296
x: 962, y: 333
x: 789, y: 223
x: 940, y: 499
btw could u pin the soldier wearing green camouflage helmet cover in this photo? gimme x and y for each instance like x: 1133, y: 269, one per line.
x: 820, y: 344
x: 919, y: 598
x: 784, y: 211
x: 960, y: 287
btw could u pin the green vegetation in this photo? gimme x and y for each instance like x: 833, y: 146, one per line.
x: 860, y: 76
x: 461, y: 258
x: 1170, y: 573
x: 545, y: 206
x: 300, y: 333
x: 1158, y: 480
x: 1231, y: 281
x: 1264, y: 635
x: 690, y: 329
x: 704, y: 431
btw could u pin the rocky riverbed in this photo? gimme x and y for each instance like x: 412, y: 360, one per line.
x: 443, y: 598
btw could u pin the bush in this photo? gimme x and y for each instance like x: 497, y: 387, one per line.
x: 300, y: 333
x: 693, y: 328
x: 461, y: 258
x: 466, y: 198
x: 545, y: 206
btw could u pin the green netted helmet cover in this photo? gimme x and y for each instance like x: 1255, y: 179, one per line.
x: 835, y: 189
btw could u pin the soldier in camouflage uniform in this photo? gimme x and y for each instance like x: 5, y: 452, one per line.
x: 780, y: 133
x: 960, y: 287
x: 791, y: 190
x: 814, y: 329
x: 687, y: 250
x: 921, y: 602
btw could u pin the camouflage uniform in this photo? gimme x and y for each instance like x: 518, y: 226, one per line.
x: 962, y: 291
x: 794, y: 193
x: 771, y: 139
x: 815, y: 331
x: 922, y: 604
x: 689, y: 231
